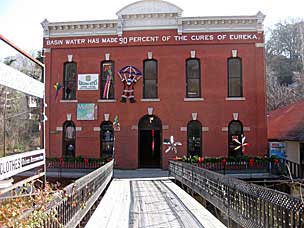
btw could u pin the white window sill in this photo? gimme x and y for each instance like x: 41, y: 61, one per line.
x: 106, y: 101
x: 194, y: 99
x: 150, y: 99
x: 68, y: 101
x: 235, y: 98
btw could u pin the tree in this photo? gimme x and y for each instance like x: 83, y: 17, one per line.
x: 285, y: 64
x: 22, y: 132
x: 284, y: 50
x: 280, y: 95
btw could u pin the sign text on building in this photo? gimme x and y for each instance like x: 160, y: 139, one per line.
x: 156, y: 39
x: 18, y: 163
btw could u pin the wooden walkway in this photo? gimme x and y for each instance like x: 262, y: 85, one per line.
x: 148, y: 198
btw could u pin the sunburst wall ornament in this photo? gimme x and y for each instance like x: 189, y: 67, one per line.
x: 242, y: 144
x: 172, y: 145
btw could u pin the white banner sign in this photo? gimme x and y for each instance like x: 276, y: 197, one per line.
x: 16, y: 80
x: 87, y: 81
x: 18, y: 163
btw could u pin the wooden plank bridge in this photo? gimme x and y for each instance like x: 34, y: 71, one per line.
x: 148, y: 198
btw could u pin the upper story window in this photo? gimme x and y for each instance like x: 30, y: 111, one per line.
x: 235, y: 131
x: 70, y: 81
x: 150, y: 79
x: 193, y: 78
x: 107, y: 80
x: 235, y: 87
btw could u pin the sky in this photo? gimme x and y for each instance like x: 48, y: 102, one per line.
x: 20, y: 19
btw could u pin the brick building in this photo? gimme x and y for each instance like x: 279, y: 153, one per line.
x: 200, y: 79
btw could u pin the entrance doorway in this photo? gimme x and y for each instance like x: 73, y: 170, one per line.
x: 149, y: 142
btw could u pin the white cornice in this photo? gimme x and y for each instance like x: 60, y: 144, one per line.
x: 80, y: 28
x: 147, y: 15
x: 149, y: 7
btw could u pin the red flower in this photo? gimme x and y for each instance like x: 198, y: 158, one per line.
x: 201, y: 159
x: 61, y: 160
x: 224, y: 161
x: 85, y: 160
x: 251, y: 162
x: 176, y: 158
x: 276, y: 161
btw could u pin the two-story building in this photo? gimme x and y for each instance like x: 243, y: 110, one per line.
x: 120, y: 87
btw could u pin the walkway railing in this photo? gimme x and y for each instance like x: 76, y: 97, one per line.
x: 79, y: 197
x: 237, y: 166
x: 54, y: 164
x: 296, y: 170
x: 247, y: 204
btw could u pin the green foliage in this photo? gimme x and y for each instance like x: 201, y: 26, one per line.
x: 76, y: 159
x: 195, y: 159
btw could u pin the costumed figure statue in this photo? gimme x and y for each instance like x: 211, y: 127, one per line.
x: 129, y: 75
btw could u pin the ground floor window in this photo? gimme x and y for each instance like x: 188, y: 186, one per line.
x: 107, y: 139
x: 194, y: 138
x: 69, y: 139
x: 235, y: 131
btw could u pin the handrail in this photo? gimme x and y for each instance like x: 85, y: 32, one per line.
x: 296, y: 170
x: 247, y: 204
x: 21, y: 51
x: 237, y: 166
x: 79, y: 197
x: 50, y: 164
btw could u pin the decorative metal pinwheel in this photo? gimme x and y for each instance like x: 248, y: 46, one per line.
x: 242, y: 144
x: 172, y: 145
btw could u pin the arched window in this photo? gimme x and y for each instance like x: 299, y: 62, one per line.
x: 235, y: 131
x: 70, y: 81
x: 107, y: 80
x: 194, y: 138
x: 69, y: 139
x: 150, y: 79
x: 235, y: 87
x: 106, y: 139
x: 193, y: 78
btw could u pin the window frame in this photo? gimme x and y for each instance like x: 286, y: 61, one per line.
x: 65, y: 142
x: 199, y: 125
x: 144, y: 79
x: 104, y: 126
x: 233, y: 152
x: 65, y: 82
x: 240, y: 76
x: 101, y: 80
x: 199, y: 78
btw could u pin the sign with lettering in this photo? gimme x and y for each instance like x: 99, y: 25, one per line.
x: 17, y: 80
x: 156, y: 39
x: 87, y: 81
x: 18, y: 163
x: 86, y: 111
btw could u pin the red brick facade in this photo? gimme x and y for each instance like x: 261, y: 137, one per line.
x: 214, y: 111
